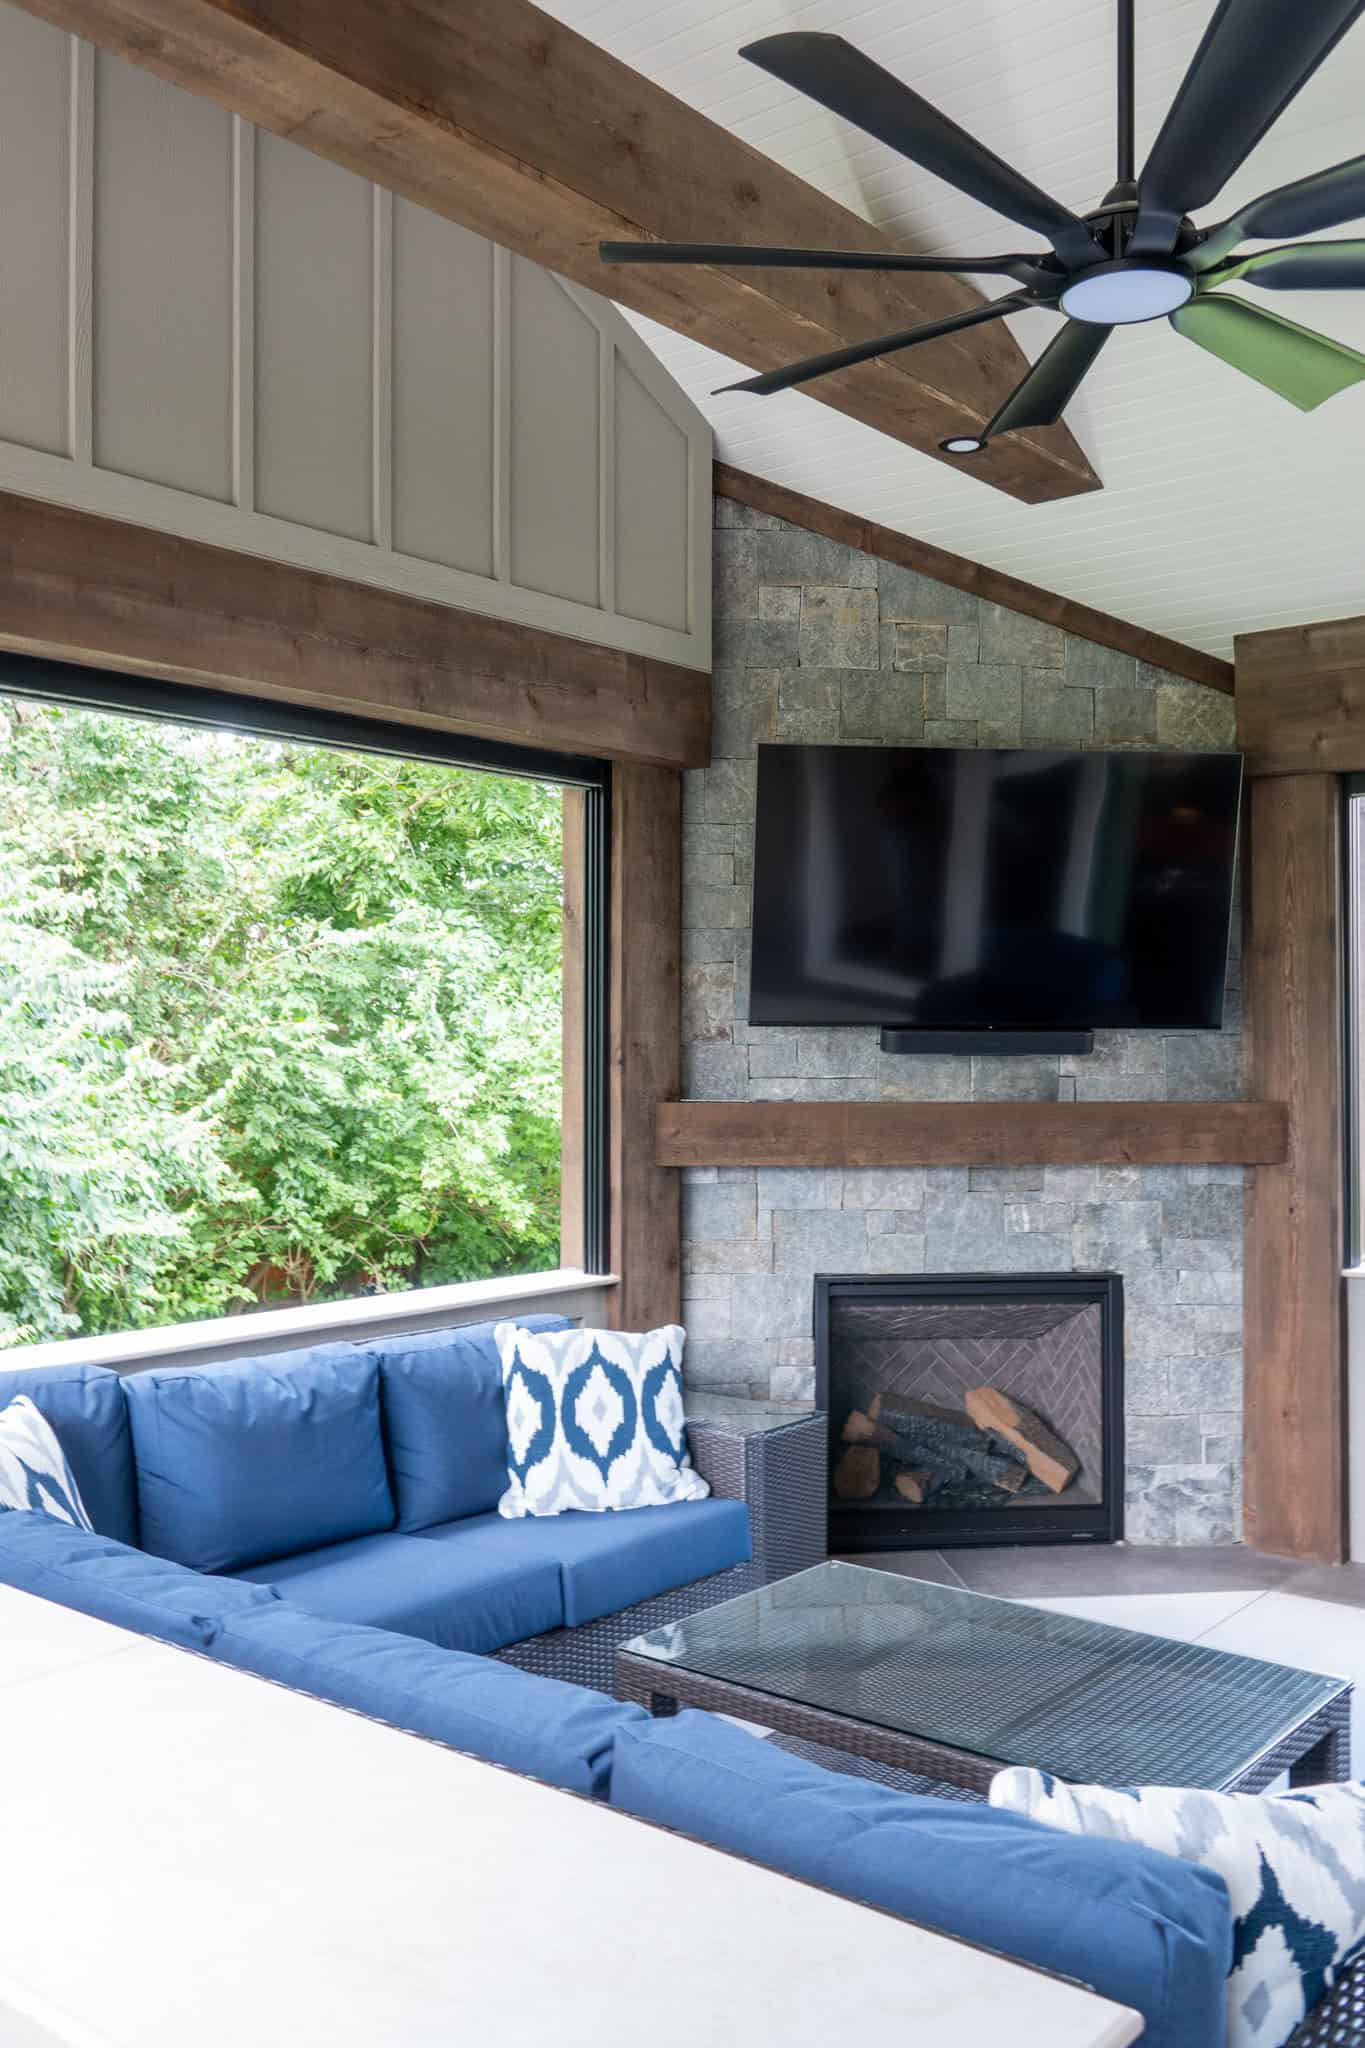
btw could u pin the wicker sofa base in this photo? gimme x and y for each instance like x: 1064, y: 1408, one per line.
x: 586, y: 1655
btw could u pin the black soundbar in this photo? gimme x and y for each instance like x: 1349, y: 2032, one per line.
x: 987, y: 1043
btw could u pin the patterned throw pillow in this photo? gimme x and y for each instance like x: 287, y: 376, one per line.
x: 1293, y: 1863
x: 34, y: 1473
x: 594, y: 1420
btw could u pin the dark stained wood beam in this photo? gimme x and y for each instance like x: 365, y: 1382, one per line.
x: 993, y: 584
x: 1295, y: 1428
x: 75, y: 586
x: 1301, y: 698
x: 644, y: 1042
x: 494, y: 115
x: 970, y: 1133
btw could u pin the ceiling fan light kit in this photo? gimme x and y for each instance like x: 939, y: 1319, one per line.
x: 1121, y: 293
x: 1138, y: 256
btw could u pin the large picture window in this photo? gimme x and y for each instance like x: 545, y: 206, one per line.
x: 287, y: 1012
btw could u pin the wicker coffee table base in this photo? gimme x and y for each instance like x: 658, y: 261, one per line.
x: 1316, y: 1752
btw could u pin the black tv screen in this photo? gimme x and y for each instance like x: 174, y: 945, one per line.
x: 978, y: 888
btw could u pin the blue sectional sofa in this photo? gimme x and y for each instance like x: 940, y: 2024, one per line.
x: 363, y: 1481
x: 326, y: 1520
x: 1136, y: 1926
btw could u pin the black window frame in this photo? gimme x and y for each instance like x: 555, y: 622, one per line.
x: 97, y: 689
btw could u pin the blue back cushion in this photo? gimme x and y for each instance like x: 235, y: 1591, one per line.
x: 259, y: 1458
x: 445, y: 1422
x: 114, y: 1583
x: 1138, y: 1927
x: 559, y: 1733
x: 84, y: 1405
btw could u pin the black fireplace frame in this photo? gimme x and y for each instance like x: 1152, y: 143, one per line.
x: 861, y: 1529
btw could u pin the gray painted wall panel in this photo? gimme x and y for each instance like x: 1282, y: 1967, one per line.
x: 314, y: 340
x: 651, y: 506
x: 554, y: 471
x: 442, y: 391
x: 35, y: 73
x: 212, y: 332
x: 162, y: 322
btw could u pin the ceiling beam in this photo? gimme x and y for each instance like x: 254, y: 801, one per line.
x: 1301, y: 698
x: 494, y: 115
x: 75, y: 586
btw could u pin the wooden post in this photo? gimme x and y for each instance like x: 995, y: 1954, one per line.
x: 645, y: 1041
x: 1295, y: 1373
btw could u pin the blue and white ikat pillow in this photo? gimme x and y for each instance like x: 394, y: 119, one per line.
x: 594, y: 1420
x: 34, y: 1474
x: 1293, y: 1863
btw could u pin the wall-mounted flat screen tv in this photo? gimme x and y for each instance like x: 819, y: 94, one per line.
x: 993, y: 888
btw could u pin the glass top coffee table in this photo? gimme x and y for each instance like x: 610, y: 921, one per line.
x: 953, y: 1686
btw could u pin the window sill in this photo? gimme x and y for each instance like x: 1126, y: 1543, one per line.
x: 286, y: 1329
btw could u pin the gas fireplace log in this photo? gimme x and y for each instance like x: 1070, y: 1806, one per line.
x: 858, y: 1474
x: 861, y: 1429
x: 1047, y: 1457
x: 947, y: 1443
x: 916, y: 1483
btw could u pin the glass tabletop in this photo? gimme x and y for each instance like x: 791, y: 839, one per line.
x: 1012, y: 1684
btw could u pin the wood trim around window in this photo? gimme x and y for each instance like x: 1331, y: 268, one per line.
x: 645, y: 1042
x: 79, y: 587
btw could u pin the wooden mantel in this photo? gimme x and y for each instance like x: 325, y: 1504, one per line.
x: 972, y: 1133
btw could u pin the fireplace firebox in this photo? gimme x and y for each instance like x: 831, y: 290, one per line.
x: 971, y: 1408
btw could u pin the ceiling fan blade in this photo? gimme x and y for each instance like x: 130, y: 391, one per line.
x: 881, y: 345
x: 1304, y: 367
x: 1299, y: 266
x: 1327, y: 199
x: 1254, y: 57
x: 831, y: 71
x: 1052, y: 383
x: 747, y: 256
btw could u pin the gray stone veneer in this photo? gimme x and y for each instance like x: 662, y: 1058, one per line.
x: 818, y: 642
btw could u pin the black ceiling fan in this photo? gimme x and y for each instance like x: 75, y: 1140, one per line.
x: 1137, y: 256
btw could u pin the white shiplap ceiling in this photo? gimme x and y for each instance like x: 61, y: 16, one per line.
x: 1224, y: 509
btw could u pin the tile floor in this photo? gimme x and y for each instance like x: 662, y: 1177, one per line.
x: 1229, y: 1598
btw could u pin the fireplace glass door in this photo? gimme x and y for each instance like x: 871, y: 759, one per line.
x: 971, y: 1408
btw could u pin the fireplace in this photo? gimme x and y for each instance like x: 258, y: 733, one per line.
x: 971, y: 1408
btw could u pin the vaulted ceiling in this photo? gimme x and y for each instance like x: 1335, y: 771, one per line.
x: 1223, y: 510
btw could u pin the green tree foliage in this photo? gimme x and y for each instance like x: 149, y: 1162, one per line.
x: 276, y: 1023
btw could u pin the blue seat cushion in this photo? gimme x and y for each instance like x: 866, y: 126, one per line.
x: 1137, y: 1926
x: 609, y: 1561
x: 101, y: 1577
x: 460, y: 1599
x: 561, y: 1734
x: 260, y: 1457
x: 445, y: 1420
x: 85, y: 1406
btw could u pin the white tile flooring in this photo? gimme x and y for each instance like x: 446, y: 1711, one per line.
x: 1310, y: 1616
